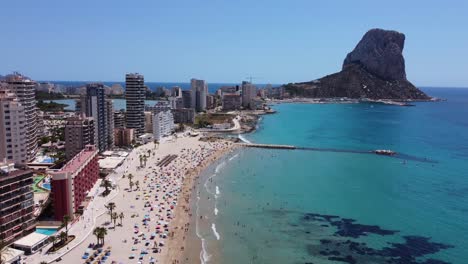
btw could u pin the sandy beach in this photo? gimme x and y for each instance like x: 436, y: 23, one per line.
x: 157, y: 209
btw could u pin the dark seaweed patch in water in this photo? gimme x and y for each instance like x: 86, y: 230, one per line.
x: 349, y: 251
x: 347, y: 227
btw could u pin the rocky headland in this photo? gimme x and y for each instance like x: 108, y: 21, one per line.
x: 374, y: 70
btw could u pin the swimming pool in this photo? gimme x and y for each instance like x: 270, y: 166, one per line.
x: 46, y: 186
x: 47, y: 231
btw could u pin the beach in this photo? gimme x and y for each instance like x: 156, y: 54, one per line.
x: 156, y: 211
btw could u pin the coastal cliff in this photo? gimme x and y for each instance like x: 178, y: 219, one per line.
x: 375, y: 69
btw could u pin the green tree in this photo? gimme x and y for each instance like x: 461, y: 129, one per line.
x: 102, y: 234
x: 107, y: 185
x: 130, y: 177
x: 114, y: 217
x: 96, y: 233
x: 65, y: 221
x: 63, y: 237
x: 110, y: 206
x: 121, y: 216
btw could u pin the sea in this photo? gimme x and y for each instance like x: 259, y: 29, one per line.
x: 334, y: 201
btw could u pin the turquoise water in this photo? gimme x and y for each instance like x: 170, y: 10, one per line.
x: 46, y: 186
x: 272, y: 206
x: 117, y: 103
x: 46, y: 231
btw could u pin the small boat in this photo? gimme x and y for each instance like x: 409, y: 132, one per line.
x: 385, y: 152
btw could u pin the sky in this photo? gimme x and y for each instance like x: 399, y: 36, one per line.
x: 225, y: 41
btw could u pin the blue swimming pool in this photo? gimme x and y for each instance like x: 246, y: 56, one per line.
x: 47, y: 231
x: 46, y: 186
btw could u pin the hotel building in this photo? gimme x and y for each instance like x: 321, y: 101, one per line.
x: 71, y: 184
x: 16, y: 203
x: 135, y: 96
x: 13, y: 146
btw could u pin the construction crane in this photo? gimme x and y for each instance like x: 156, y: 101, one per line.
x: 250, y: 78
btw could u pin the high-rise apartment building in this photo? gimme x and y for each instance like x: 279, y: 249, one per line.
x: 16, y: 203
x: 123, y: 137
x: 135, y: 95
x: 249, y: 92
x: 94, y: 104
x: 119, y: 119
x: 176, y: 91
x: 79, y: 132
x: 199, y: 92
x: 13, y: 146
x: 110, y: 123
x: 186, y: 99
x: 163, y: 124
x: 24, y: 88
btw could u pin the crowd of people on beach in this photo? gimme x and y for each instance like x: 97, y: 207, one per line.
x: 159, y: 195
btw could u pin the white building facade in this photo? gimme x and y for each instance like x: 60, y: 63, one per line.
x: 163, y: 124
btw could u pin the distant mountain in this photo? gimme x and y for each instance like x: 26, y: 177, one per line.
x: 375, y: 69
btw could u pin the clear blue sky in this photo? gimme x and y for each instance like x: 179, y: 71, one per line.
x: 225, y: 41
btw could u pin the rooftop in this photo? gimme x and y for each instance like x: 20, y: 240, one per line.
x: 31, y: 240
x: 79, y: 159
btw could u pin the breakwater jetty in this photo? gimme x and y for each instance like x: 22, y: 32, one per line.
x: 267, y: 146
x: 372, y: 152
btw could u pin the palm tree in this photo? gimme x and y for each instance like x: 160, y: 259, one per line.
x: 96, y: 233
x: 106, y: 184
x: 63, y: 237
x: 110, y: 206
x: 66, y: 220
x: 102, y: 234
x: 130, y: 177
x: 121, y: 216
x: 114, y: 217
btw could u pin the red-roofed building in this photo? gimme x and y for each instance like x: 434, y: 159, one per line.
x: 71, y: 184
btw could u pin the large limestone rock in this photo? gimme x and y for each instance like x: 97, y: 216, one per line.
x: 380, y: 52
x: 375, y: 69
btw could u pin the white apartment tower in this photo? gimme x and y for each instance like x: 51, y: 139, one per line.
x: 199, y: 92
x: 24, y: 89
x: 13, y: 146
x: 163, y: 124
x: 135, y: 95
